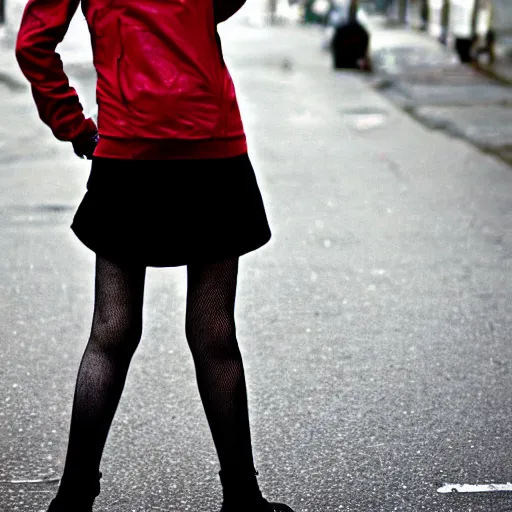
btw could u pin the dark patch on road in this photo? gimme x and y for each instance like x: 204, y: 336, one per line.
x: 12, y: 83
x: 287, y: 64
x: 364, y: 111
x: 35, y: 215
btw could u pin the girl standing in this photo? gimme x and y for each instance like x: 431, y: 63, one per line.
x: 171, y: 184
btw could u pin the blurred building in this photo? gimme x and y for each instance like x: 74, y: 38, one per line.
x: 458, y: 23
x: 12, y: 11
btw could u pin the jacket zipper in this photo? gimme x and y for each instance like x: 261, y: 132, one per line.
x: 118, y: 65
x: 224, y: 116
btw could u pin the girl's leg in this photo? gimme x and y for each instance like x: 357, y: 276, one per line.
x: 211, y: 334
x: 115, y: 334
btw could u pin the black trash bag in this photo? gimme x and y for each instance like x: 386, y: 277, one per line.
x: 350, y: 47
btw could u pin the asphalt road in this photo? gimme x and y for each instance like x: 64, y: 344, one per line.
x: 375, y: 325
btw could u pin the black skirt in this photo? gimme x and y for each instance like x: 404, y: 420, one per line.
x: 173, y: 212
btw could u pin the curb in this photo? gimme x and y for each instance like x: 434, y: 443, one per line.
x: 493, y: 74
x: 487, y: 71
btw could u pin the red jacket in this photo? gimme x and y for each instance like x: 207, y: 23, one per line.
x: 163, y: 89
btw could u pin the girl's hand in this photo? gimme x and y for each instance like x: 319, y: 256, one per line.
x: 84, y: 146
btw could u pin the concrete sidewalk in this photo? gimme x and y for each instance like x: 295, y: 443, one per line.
x: 502, y: 68
x: 427, y: 80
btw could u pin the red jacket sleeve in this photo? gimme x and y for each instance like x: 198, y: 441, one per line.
x: 43, y: 26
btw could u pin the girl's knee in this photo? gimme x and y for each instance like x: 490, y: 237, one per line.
x: 215, y: 339
x: 114, y: 333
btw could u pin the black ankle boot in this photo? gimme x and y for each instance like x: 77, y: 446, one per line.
x: 77, y: 497
x: 242, y: 494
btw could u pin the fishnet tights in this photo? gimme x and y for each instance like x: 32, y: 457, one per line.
x: 211, y: 335
x: 115, y: 335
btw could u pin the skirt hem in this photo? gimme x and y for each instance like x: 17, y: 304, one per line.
x: 160, y: 262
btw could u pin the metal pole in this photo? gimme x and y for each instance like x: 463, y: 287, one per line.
x: 272, y: 9
x: 402, y: 11
x: 474, y: 17
x: 424, y: 14
x: 2, y: 12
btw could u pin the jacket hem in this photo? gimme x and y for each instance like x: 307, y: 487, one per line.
x: 170, y: 149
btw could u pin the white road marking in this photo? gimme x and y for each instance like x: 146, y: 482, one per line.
x: 448, y: 488
x: 32, y: 481
x: 368, y: 121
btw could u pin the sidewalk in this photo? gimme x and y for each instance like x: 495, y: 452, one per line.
x: 427, y: 80
x: 502, y: 68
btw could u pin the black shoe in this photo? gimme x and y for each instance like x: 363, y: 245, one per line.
x: 244, y: 495
x: 264, y: 506
x: 276, y: 507
x: 76, y: 498
x: 58, y: 505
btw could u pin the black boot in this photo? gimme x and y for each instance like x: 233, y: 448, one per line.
x: 242, y: 494
x: 77, y: 497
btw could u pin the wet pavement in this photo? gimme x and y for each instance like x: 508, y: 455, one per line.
x: 375, y: 326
